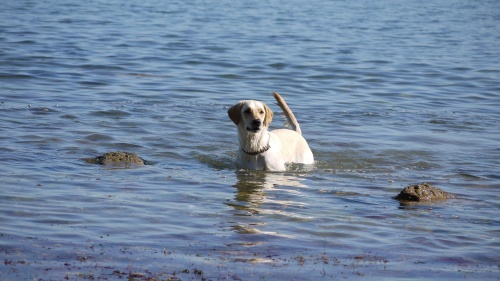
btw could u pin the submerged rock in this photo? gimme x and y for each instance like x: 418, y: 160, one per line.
x: 423, y: 193
x: 118, y: 159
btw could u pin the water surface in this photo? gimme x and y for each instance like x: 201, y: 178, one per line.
x: 388, y: 94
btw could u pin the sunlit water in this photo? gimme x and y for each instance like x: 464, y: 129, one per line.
x: 388, y: 93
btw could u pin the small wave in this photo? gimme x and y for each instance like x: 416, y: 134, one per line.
x: 8, y: 76
x: 111, y: 113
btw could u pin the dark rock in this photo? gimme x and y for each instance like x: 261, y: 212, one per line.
x: 423, y: 193
x: 118, y: 159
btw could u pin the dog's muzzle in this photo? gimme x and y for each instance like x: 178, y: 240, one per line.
x: 256, y: 126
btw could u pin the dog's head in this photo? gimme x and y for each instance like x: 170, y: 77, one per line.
x: 251, y: 115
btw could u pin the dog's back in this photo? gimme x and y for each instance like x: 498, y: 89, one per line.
x: 294, y: 147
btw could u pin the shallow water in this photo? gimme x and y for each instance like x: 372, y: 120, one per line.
x: 388, y: 93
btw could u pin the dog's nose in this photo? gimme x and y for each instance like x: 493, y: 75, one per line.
x: 257, y: 122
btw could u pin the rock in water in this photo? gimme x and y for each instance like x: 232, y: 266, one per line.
x: 118, y: 159
x: 423, y: 193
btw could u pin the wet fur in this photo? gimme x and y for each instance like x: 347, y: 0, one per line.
x: 252, y: 119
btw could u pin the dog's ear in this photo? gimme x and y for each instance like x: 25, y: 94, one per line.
x: 234, y: 113
x: 269, y: 116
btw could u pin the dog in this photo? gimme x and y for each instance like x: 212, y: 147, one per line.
x: 261, y: 149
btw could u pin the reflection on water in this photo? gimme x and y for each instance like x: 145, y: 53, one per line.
x: 255, y: 196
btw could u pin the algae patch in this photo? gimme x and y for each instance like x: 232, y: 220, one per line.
x: 423, y: 193
x: 118, y: 159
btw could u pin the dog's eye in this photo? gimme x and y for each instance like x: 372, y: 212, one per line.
x: 262, y: 112
x: 247, y: 111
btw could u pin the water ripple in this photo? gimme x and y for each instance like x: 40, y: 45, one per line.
x: 387, y: 94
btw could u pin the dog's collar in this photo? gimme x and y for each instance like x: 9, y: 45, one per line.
x: 264, y: 149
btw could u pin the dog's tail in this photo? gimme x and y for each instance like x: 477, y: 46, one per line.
x: 291, y: 120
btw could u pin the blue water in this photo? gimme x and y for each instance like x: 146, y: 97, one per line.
x: 388, y: 93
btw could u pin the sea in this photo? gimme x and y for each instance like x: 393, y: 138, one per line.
x: 388, y: 94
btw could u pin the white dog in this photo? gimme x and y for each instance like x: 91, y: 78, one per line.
x: 264, y: 150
